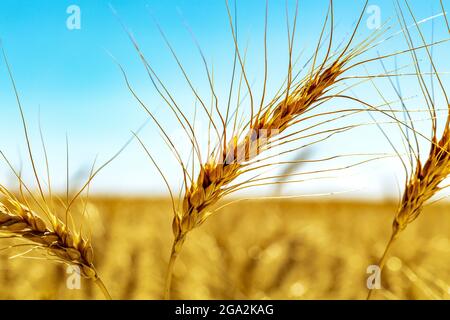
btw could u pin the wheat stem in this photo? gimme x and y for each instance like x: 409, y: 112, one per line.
x: 383, y: 258
x: 176, y: 248
x: 102, y: 287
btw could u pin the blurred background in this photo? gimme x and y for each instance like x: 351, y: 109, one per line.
x: 254, y: 250
x: 315, y: 242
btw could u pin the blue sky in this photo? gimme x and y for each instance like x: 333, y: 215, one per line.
x: 68, y: 77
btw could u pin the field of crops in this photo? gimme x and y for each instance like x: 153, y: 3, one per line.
x: 251, y: 250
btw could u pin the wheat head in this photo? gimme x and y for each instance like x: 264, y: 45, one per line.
x: 424, y: 180
x: 233, y: 156
x: 227, y: 164
x: 422, y: 185
x: 19, y: 221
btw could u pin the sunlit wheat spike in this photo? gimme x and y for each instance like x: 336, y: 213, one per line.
x: 23, y: 222
x: 424, y: 178
x: 18, y: 220
x: 235, y: 154
x: 57, y: 238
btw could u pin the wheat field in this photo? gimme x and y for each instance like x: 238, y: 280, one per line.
x: 252, y: 250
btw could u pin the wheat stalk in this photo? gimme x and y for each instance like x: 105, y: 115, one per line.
x: 231, y: 159
x: 425, y: 178
x: 19, y: 221
x: 422, y: 185
x: 228, y: 164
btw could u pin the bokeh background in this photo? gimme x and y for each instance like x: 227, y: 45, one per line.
x: 255, y: 250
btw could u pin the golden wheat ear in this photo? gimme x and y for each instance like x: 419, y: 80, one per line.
x: 424, y: 177
x: 57, y: 239
x: 217, y: 176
